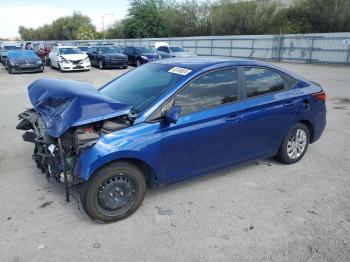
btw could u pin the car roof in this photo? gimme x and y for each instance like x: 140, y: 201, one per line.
x: 198, y: 62
x: 67, y: 46
x: 201, y: 62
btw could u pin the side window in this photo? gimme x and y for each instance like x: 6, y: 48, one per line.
x: 163, y: 49
x: 210, y: 90
x: 261, y: 81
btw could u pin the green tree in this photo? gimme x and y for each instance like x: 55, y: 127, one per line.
x: 76, y: 26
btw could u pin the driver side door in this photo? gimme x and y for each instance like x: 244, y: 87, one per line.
x: 205, y: 135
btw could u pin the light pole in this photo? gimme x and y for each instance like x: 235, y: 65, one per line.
x: 103, y: 24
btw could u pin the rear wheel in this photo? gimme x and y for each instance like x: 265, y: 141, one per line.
x: 49, y: 63
x: 138, y: 62
x: 294, y: 144
x: 100, y: 64
x: 114, y: 192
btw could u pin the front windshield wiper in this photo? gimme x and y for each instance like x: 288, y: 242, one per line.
x: 132, y: 114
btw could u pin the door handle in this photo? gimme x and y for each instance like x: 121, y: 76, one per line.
x: 233, y: 118
x: 288, y: 104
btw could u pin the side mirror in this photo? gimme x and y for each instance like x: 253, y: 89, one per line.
x: 172, y: 115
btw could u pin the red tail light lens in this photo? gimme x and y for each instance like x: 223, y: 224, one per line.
x: 321, y: 96
x: 88, y: 129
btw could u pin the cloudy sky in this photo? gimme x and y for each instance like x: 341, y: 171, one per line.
x: 34, y: 13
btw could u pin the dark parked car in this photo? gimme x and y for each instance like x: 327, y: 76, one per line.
x: 165, y: 122
x: 140, y: 55
x: 44, y: 51
x: 23, y: 61
x: 4, y: 48
x: 84, y: 49
x: 107, y: 57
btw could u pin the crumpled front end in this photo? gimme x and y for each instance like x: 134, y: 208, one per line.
x: 68, y: 118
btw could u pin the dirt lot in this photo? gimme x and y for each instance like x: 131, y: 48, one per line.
x: 259, y: 211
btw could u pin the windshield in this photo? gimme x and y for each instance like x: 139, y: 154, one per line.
x: 140, y: 87
x: 83, y: 48
x: 11, y: 47
x: 177, y: 49
x: 143, y: 50
x: 70, y: 51
x: 108, y: 50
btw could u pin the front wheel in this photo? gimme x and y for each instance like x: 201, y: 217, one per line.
x: 9, y: 68
x: 138, y: 63
x: 114, y: 192
x: 294, y: 144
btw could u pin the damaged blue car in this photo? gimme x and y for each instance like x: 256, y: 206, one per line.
x: 167, y: 121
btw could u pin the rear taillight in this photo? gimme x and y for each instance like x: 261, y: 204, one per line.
x: 321, y: 96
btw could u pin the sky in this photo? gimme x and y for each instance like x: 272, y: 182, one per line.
x: 34, y: 13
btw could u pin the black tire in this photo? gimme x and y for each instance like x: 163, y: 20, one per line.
x: 100, y: 64
x: 59, y: 67
x: 47, y: 61
x: 120, y: 178
x: 283, y: 155
x: 9, y: 68
x: 138, y: 62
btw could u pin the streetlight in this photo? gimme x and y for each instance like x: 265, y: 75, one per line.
x: 103, y: 24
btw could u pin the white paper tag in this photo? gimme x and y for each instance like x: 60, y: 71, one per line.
x: 180, y: 71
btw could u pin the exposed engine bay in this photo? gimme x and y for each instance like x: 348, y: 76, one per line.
x: 56, y: 157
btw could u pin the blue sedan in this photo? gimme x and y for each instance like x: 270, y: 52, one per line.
x: 167, y: 121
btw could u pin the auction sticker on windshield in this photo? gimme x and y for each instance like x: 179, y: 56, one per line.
x: 180, y: 71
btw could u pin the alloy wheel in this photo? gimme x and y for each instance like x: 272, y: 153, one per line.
x: 296, y: 144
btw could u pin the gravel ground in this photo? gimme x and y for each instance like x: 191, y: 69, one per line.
x: 258, y: 211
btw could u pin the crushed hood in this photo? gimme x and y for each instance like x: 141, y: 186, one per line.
x: 65, y: 103
x: 74, y: 57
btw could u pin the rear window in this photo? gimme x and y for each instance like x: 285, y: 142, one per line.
x: 261, y: 81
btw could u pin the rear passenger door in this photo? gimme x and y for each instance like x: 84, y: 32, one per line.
x: 269, y: 109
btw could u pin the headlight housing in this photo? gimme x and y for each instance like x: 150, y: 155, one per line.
x: 39, y: 62
x: 144, y: 57
x: 87, y: 60
x: 63, y: 60
x: 12, y: 62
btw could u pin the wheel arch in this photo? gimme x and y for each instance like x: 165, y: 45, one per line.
x: 146, y: 168
x: 310, y: 127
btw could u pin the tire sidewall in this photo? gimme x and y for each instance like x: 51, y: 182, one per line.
x: 283, y: 155
x: 90, y: 189
x: 100, y: 64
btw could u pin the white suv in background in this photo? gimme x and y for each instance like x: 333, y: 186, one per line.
x: 173, y: 51
x: 69, y: 58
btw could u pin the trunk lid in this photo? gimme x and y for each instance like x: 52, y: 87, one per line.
x: 65, y: 103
